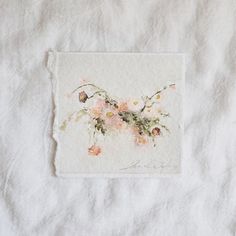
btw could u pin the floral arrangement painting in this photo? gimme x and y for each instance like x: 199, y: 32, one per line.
x: 144, y: 117
x: 117, y: 114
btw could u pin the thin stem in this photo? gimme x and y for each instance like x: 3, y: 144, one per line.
x: 163, y: 126
x: 164, y: 88
x: 97, y: 92
x: 151, y: 97
x: 85, y: 85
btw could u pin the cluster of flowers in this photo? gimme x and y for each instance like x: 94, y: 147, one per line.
x: 141, y: 116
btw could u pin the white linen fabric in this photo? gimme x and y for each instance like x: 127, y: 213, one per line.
x: 202, y: 201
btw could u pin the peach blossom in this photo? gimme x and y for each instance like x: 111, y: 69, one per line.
x: 94, y: 150
x: 98, y: 109
x: 123, y: 106
x: 140, y: 140
x: 95, y: 112
x: 114, y: 122
x: 135, y: 130
x: 101, y: 103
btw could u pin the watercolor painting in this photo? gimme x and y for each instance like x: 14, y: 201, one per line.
x: 143, y: 118
x: 117, y: 114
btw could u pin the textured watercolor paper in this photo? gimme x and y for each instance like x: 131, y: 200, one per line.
x: 117, y: 114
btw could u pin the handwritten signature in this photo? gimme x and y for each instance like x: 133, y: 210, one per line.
x: 136, y: 165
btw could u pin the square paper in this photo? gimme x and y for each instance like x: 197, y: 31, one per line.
x: 117, y: 114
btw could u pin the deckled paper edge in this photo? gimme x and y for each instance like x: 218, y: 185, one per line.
x: 52, y: 67
x: 182, y: 109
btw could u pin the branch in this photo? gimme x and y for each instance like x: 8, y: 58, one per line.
x: 97, y: 92
x: 151, y: 97
x: 85, y: 85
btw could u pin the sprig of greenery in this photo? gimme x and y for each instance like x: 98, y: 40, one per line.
x: 100, y: 125
x: 152, y: 96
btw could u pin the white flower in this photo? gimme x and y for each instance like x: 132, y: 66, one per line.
x: 135, y: 104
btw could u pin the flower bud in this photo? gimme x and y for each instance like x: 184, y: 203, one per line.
x: 83, y: 97
x: 156, y: 131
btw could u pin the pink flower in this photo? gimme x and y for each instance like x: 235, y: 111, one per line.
x: 98, y: 109
x: 95, y: 112
x: 94, y: 150
x: 123, y: 106
x: 101, y: 103
x: 114, y: 121
x: 140, y: 140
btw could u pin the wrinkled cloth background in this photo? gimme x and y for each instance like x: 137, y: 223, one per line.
x: 202, y: 201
